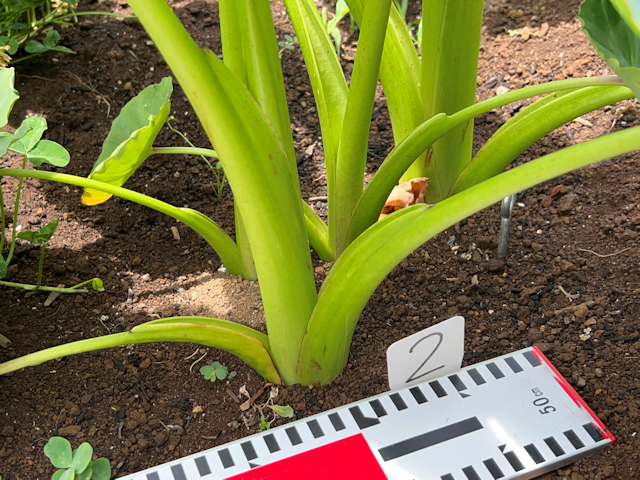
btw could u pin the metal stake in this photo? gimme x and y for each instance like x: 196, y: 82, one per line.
x: 505, y: 213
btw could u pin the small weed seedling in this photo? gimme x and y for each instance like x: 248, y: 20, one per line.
x: 289, y: 43
x: 26, y: 140
x: 75, y: 464
x: 216, y: 371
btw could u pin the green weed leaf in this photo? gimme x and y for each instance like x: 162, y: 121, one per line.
x: 37, y: 126
x: 613, y: 38
x: 82, y: 457
x: 58, y: 474
x: 207, y: 371
x: 42, y: 236
x: 8, y: 94
x: 52, y: 39
x: 101, y: 469
x: 282, y: 411
x: 13, y: 45
x: 68, y: 474
x: 58, y: 450
x: 49, y: 152
x: 34, y: 46
x: 221, y: 373
x: 130, y: 139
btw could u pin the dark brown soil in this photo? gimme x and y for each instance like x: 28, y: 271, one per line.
x: 569, y: 283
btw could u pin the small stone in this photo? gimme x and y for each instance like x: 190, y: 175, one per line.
x: 69, y: 431
x: 493, y: 265
x: 582, y: 311
x: 501, y: 89
x: 136, y: 261
x: 487, y: 243
x: 566, y: 203
x: 160, y: 439
x: 609, y: 471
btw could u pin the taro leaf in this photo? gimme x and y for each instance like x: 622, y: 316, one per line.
x: 613, y: 39
x: 207, y: 371
x: 3, y: 267
x: 82, y: 457
x: 101, y: 469
x: 37, y: 125
x: 58, y: 450
x: 629, y: 10
x: 282, y: 411
x: 40, y: 237
x: 8, y: 95
x: 49, y: 152
x: 130, y: 139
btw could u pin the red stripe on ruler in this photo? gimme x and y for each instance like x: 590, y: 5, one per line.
x: 574, y: 396
x: 349, y: 458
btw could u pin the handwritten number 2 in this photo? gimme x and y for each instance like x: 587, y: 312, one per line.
x: 414, y: 375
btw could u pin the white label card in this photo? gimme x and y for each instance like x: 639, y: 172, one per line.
x: 431, y: 353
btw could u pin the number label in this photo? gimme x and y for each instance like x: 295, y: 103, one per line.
x: 541, y: 401
x: 428, y: 354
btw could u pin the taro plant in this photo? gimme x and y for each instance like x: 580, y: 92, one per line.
x: 27, y: 141
x: 242, y: 105
x: 75, y: 464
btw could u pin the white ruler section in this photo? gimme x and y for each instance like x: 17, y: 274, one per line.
x: 512, y: 417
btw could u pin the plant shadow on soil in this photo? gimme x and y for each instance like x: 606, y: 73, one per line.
x: 122, y: 399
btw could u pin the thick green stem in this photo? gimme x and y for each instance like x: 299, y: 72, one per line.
x: 352, y: 151
x: 210, y: 231
x: 354, y: 277
x: 450, y: 49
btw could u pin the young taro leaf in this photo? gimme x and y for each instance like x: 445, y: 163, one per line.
x: 49, y: 152
x: 101, y: 469
x: 82, y: 457
x: 42, y: 236
x: 8, y: 94
x: 37, y: 126
x: 130, y: 139
x: 97, y: 285
x: 58, y: 450
x: 613, y: 39
x: 282, y: 411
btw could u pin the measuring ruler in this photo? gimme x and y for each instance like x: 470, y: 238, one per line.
x: 510, y: 417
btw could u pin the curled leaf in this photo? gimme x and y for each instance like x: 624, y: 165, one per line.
x: 8, y: 94
x: 404, y: 195
x: 97, y: 285
x: 282, y: 411
x: 130, y: 139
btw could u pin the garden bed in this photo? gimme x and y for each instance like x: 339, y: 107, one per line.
x: 569, y: 284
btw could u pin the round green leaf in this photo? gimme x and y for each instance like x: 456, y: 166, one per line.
x: 215, y: 365
x: 130, y: 140
x: 58, y: 474
x: 52, y: 38
x: 207, y: 371
x: 82, y: 457
x: 34, y: 46
x: 49, y: 152
x: 68, y: 474
x: 614, y: 40
x: 86, y: 473
x: 221, y: 373
x: 8, y: 94
x: 101, y: 469
x: 58, y: 450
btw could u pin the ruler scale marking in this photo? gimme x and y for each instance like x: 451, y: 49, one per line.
x: 509, y: 417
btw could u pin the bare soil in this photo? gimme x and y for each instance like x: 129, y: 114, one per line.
x: 569, y: 283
